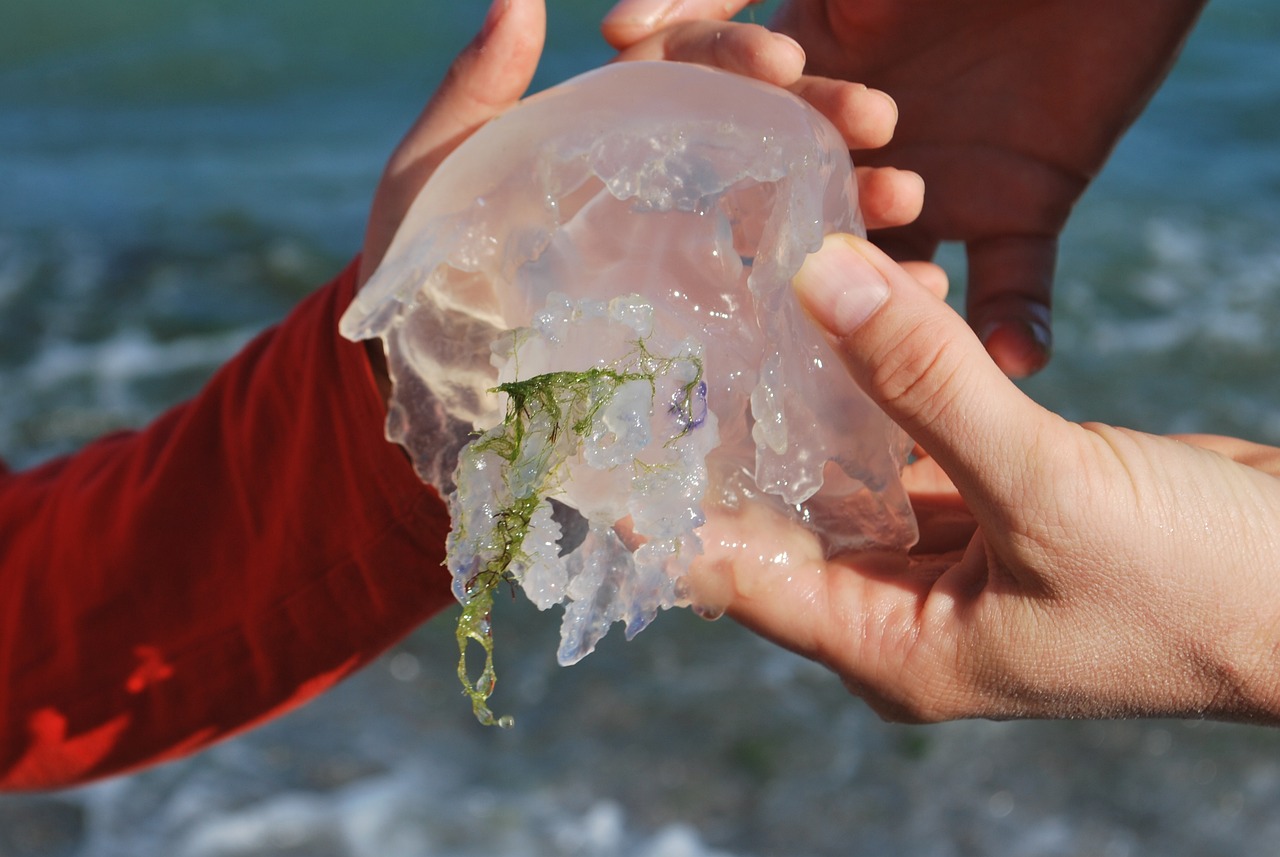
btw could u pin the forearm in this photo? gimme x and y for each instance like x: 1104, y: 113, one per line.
x: 165, y: 588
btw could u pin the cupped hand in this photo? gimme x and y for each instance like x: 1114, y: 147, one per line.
x: 494, y: 71
x: 1064, y: 570
x: 1009, y: 109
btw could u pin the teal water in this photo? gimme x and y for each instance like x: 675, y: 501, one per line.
x: 174, y: 176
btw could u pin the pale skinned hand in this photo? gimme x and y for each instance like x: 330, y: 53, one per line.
x: 1064, y: 570
x: 493, y: 72
x: 1009, y: 109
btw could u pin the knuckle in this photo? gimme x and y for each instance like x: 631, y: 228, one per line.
x: 916, y: 376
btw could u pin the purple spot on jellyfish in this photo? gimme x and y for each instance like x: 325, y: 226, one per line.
x: 690, y: 406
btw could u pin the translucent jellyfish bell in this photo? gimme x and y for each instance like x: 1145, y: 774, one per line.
x: 615, y: 255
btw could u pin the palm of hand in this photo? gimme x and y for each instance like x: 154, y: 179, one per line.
x: 1029, y: 607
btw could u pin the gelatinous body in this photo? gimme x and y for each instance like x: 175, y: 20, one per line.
x: 616, y: 253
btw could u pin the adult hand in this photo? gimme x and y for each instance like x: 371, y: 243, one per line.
x: 1009, y: 109
x: 1064, y: 570
x: 493, y: 72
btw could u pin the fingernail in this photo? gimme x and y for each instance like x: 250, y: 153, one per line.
x: 839, y: 287
x: 792, y: 45
x: 497, y: 9
x: 892, y: 103
x: 644, y: 13
x: 1018, y: 346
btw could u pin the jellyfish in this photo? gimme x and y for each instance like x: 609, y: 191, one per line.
x: 593, y: 343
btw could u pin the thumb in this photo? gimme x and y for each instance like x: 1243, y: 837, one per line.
x: 487, y: 78
x: 920, y: 361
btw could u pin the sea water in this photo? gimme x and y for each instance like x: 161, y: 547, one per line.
x: 174, y: 176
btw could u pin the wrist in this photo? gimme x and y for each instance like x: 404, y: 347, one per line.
x: 1251, y: 669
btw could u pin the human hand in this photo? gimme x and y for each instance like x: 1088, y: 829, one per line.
x: 1009, y: 110
x: 1064, y: 570
x: 1255, y: 455
x: 493, y: 72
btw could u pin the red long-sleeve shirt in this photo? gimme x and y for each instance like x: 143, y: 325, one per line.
x: 165, y: 588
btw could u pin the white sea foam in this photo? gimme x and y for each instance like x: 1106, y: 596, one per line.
x: 404, y: 812
x: 1197, y: 287
x: 129, y: 354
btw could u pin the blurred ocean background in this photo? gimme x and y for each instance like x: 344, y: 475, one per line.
x: 175, y: 175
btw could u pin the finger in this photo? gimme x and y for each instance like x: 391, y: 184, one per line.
x: 855, y: 614
x: 889, y: 197
x: 629, y: 21
x: 859, y: 614
x: 746, y: 49
x: 905, y: 242
x: 488, y: 77
x: 945, y: 522
x: 923, y: 477
x: 932, y: 277
x: 1256, y: 455
x: 923, y: 365
x: 771, y: 575
x: 865, y: 117
x: 1008, y: 299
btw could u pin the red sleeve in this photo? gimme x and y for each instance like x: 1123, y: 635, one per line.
x: 162, y: 589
